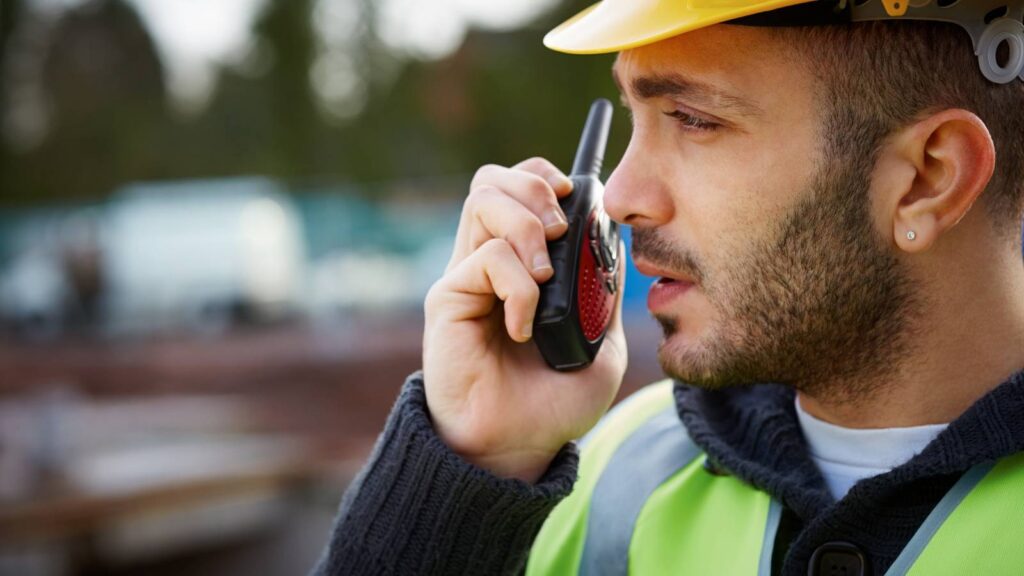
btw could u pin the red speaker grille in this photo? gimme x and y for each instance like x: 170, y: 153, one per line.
x: 594, y: 299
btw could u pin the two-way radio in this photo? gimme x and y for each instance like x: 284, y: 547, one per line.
x: 577, y: 303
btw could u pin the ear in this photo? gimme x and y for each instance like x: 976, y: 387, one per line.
x: 939, y: 166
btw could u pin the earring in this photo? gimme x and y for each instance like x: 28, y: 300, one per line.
x: 911, y: 235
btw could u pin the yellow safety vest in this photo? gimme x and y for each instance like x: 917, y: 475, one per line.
x: 644, y: 504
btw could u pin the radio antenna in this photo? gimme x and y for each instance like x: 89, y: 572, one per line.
x: 590, y: 154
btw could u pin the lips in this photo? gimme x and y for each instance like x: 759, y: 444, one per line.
x: 667, y: 289
x: 664, y: 292
x: 648, y: 269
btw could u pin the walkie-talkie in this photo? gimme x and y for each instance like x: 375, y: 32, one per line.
x: 577, y: 303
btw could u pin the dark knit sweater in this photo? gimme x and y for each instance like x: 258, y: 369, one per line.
x: 417, y: 508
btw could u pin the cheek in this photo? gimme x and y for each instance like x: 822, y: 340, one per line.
x: 731, y: 195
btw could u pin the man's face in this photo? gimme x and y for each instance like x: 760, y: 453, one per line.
x: 761, y: 229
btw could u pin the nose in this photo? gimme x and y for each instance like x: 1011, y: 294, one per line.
x: 636, y: 193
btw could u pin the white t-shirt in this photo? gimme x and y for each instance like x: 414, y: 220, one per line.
x: 847, y: 455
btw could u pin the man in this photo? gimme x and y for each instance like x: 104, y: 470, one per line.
x: 834, y: 214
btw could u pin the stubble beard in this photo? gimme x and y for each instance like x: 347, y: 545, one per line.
x: 821, y: 304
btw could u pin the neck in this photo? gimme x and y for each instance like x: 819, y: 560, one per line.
x: 968, y: 339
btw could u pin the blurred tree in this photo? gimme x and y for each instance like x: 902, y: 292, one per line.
x: 106, y: 101
x: 10, y: 13
x: 500, y: 98
x: 286, y: 28
x: 262, y: 117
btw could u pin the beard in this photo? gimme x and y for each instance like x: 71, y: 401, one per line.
x: 821, y: 303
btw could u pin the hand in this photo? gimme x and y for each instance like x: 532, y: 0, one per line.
x: 491, y: 396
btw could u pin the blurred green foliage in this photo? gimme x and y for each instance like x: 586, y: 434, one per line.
x: 501, y: 98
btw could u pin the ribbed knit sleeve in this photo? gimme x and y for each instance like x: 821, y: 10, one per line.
x: 418, y: 508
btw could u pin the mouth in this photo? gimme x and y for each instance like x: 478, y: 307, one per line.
x: 669, y: 287
x: 663, y: 275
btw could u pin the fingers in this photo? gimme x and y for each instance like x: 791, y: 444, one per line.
x: 559, y: 182
x: 535, y: 185
x: 501, y: 246
x: 497, y: 215
x: 467, y: 292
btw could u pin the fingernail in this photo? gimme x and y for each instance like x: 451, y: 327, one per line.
x: 528, y: 330
x: 553, y: 218
x: 541, y: 261
x: 558, y: 181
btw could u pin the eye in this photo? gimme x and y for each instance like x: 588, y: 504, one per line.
x: 691, y: 122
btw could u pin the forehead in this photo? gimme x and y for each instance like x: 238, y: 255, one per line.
x: 743, y: 66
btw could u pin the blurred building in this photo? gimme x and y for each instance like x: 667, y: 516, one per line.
x: 203, y: 254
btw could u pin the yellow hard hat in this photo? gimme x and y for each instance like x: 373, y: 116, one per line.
x: 615, y: 25
x: 612, y: 26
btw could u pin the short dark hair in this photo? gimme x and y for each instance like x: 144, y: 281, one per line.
x: 880, y: 76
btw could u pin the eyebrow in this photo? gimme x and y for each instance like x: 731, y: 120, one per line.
x: 658, y: 85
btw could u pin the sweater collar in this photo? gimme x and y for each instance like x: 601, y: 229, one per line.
x: 753, y: 433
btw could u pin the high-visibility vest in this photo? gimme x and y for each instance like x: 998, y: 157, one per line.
x: 644, y: 504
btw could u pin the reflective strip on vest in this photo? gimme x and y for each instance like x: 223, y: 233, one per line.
x: 660, y: 448
x: 558, y: 547
x: 979, y: 531
x: 699, y: 523
x: 912, y: 551
x: 643, y: 504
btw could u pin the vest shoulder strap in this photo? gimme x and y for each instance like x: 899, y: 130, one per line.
x: 642, y: 463
x: 977, y: 528
x: 559, y: 544
x: 643, y: 504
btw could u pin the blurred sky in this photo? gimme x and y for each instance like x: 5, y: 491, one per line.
x: 194, y: 36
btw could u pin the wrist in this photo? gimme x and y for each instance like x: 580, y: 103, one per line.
x: 489, y: 449
x: 527, y: 466
x: 523, y: 463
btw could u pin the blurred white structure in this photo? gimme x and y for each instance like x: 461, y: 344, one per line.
x: 200, y: 255
x: 33, y: 291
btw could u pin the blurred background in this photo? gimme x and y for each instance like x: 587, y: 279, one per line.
x: 218, y: 221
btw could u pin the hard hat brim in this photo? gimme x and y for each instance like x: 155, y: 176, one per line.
x: 613, y: 26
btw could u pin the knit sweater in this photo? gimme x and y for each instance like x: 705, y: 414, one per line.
x: 418, y: 508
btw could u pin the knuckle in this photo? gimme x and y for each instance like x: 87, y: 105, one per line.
x: 532, y: 292
x: 529, y: 229
x: 551, y: 203
x: 434, y: 296
x: 538, y: 187
x: 478, y: 190
x: 541, y: 167
x: 496, y: 247
x: 525, y: 294
x: 535, y: 163
x: 484, y: 172
x: 478, y: 195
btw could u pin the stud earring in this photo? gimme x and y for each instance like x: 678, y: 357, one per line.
x: 911, y: 235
